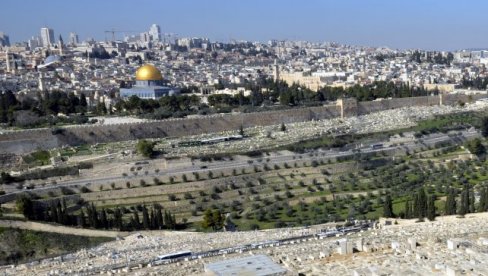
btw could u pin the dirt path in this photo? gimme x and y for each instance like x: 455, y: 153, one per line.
x: 36, y: 226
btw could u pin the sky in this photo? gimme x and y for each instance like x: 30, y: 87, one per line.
x: 398, y: 24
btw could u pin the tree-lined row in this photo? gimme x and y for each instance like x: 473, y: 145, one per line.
x: 90, y: 217
x: 43, y: 104
x: 268, y: 92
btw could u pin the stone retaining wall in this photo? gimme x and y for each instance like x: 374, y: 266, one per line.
x: 29, y: 140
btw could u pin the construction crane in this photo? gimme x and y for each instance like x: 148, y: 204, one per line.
x: 113, y: 31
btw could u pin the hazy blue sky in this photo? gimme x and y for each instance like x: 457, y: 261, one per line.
x: 427, y: 24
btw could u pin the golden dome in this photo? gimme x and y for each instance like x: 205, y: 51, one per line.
x: 148, y: 72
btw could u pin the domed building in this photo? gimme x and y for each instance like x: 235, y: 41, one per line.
x: 149, y: 85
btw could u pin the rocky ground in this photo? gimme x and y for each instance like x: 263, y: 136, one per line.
x: 447, y: 246
x: 268, y: 137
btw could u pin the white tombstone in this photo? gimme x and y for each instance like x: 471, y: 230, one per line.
x: 452, y: 245
x: 359, y: 244
x: 440, y: 266
x: 323, y: 254
x: 412, y: 242
x: 452, y: 272
x: 345, y: 247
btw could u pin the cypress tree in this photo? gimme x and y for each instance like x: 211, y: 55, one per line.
x: 422, y: 203
x: 466, y: 199
x: 167, y: 220
x: 388, y: 207
x: 450, y: 206
x: 59, y: 212
x: 431, y: 208
x: 103, y: 219
x: 81, y: 219
x: 136, y: 222
x: 483, y: 204
x: 63, y: 205
x: 64, y: 214
x: 88, y: 216
x: 54, y: 212
x: 118, y: 219
x: 96, y: 218
x: 485, y: 199
x: 410, y: 205
x: 152, y: 218
x: 464, y: 206
x: 173, y: 222
x: 407, y: 209
x: 93, y: 216
x: 416, y: 206
x: 159, y: 219
x: 471, y: 200
x: 145, y: 218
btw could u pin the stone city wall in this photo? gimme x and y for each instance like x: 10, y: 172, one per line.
x: 21, y: 142
x: 190, y: 126
x: 374, y: 106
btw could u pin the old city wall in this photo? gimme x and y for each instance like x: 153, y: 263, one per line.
x: 26, y: 141
x: 458, y: 98
x: 191, y: 126
x: 21, y: 142
x: 374, y: 106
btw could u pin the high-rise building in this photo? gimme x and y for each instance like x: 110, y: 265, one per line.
x: 155, y: 32
x: 145, y: 37
x: 47, y: 37
x: 4, y: 40
x: 73, y: 39
x: 33, y: 42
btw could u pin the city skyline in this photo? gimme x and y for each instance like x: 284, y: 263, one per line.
x: 430, y: 25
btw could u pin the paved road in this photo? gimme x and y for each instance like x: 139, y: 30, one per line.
x: 318, y: 234
x: 319, y: 154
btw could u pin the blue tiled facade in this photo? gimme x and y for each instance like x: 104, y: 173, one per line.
x: 149, y: 90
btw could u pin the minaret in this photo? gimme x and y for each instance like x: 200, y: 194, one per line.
x: 7, y: 60
x: 276, y: 71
